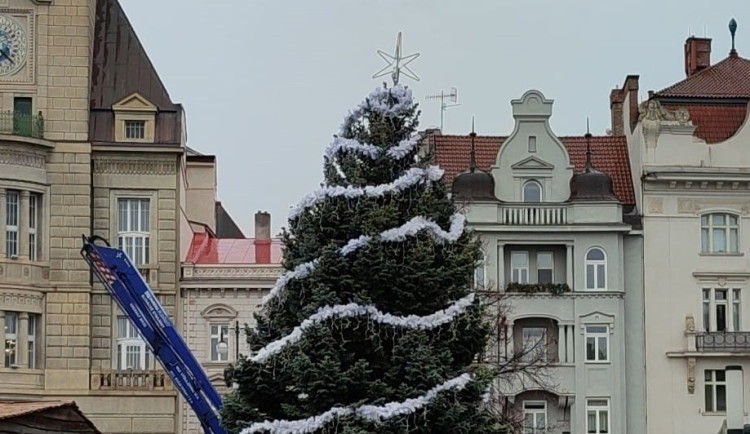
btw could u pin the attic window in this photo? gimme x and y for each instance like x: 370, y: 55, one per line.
x: 135, y: 130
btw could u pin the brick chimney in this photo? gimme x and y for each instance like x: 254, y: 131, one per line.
x: 262, y: 239
x: 617, y: 105
x: 697, y: 55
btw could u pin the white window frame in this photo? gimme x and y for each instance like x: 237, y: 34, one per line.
x: 33, y: 327
x: 594, y: 265
x: 133, y: 232
x: 34, y: 203
x: 128, y: 337
x: 593, y: 405
x: 516, y: 272
x: 731, y: 233
x: 532, y: 408
x: 12, y: 222
x: 597, y: 337
x: 538, y: 185
x: 214, y: 330
x: 711, y: 385
x: 551, y: 267
x: 136, y: 127
x: 732, y: 309
x: 11, y: 339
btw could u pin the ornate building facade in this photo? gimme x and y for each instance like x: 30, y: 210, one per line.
x: 563, y: 253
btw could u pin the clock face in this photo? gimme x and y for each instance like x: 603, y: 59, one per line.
x: 13, y: 46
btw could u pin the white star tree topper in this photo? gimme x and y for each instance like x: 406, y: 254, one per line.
x: 397, y: 64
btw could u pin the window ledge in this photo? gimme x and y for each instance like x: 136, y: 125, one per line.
x: 738, y: 254
x: 713, y: 413
x: 596, y: 362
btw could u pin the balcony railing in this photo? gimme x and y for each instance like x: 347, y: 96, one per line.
x: 130, y: 380
x: 725, y: 342
x: 533, y: 214
x: 22, y: 124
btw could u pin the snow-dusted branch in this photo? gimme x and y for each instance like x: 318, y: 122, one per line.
x: 397, y: 152
x: 410, y: 228
x: 412, y: 177
x: 431, y: 321
x: 391, y: 102
x: 368, y: 412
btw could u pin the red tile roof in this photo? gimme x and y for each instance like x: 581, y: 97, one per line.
x: 729, y: 78
x: 608, y: 154
x: 715, y: 122
x: 206, y: 249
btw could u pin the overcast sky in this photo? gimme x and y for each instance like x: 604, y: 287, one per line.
x: 265, y: 84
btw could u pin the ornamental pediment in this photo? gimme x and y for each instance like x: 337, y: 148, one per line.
x: 533, y: 162
x: 134, y: 102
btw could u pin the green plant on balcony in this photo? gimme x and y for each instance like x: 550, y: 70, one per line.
x: 532, y: 288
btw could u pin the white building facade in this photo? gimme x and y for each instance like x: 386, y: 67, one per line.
x: 558, y: 249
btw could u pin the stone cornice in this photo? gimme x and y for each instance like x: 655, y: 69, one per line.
x: 135, y: 166
x: 192, y: 272
x: 22, y: 301
x: 576, y: 294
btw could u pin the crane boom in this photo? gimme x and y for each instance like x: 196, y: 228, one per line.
x: 125, y: 284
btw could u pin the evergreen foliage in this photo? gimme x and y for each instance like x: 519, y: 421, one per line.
x: 356, y: 364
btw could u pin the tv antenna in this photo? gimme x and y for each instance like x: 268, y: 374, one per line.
x: 442, y: 96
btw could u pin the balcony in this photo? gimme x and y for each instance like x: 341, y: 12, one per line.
x: 21, y: 124
x: 131, y: 380
x: 537, y: 214
x: 723, y: 342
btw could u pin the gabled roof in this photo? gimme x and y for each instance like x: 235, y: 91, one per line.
x: 609, y: 155
x: 729, y: 78
x: 226, y: 227
x: 206, y: 249
x: 120, y: 64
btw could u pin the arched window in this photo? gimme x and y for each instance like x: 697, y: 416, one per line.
x: 532, y: 192
x: 719, y: 233
x: 480, y: 273
x: 596, y: 269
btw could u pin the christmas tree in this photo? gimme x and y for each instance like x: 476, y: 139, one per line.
x: 374, y: 328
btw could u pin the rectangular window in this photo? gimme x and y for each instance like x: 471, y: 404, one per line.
x: 34, y: 202
x: 11, y: 339
x: 597, y: 416
x: 135, y: 129
x: 532, y: 144
x: 133, y: 229
x: 715, y: 390
x: 519, y: 263
x: 12, y: 217
x: 534, y: 417
x: 722, y: 310
x: 545, y: 267
x: 132, y: 352
x: 597, y: 343
x: 32, y: 340
x: 22, y: 120
x: 219, y: 333
x: 719, y: 233
x: 534, y: 343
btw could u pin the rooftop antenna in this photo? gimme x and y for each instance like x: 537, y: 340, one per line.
x: 397, y: 63
x: 442, y: 96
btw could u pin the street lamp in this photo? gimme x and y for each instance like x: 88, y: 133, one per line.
x: 222, y: 347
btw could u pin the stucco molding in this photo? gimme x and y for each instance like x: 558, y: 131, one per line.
x: 219, y: 311
x: 656, y: 205
x: 655, y: 118
x: 133, y: 166
x: 232, y: 272
x: 719, y: 204
x: 22, y: 301
x: 16, y: 157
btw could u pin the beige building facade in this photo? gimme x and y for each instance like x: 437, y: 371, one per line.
x: 88, y: 145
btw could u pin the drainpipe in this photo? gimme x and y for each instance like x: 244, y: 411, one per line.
x: 735, y: 400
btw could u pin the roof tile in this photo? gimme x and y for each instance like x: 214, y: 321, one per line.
x: 729, y: 78
x: 608, y: 154
x: 715, y: 122
x: 206, y: 249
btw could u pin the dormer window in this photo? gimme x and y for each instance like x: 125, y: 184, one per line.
x: 532, y: 192
x: 135, y: 130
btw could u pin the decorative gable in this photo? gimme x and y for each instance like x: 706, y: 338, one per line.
x: 532, y: 160
x: 135, y: 119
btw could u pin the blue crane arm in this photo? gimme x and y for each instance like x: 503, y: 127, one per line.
x: 136, y: 299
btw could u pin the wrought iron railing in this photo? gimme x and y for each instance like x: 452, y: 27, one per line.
x: 21, y: 124
x: 731, y: 342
